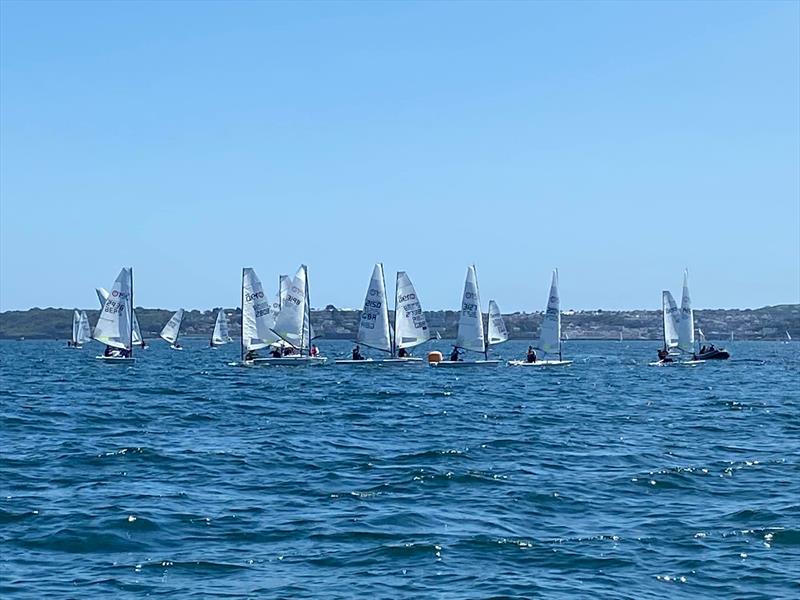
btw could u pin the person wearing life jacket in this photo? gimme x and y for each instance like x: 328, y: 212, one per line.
x: 455, y: 354
x: 313, y: 351
x: 357, y: 353
x: 663, y: 355
x: 531, y: 355
x: 403, y: 353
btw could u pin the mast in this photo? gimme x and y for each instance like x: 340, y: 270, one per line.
x: 130, y: 329
x: 242, y: 334
x: 306, y: 311
x: 386, y: 309
x: 394, y: 324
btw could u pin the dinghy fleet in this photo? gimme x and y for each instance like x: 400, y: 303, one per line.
x: 278, y: 331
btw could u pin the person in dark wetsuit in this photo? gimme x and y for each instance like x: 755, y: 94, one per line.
x: 531, y: 355
x: 251, y: 355
x: 276, y: 353
x: 357, y: 353
x: 455, y: 354
x: 402, y: 353
x: 663, y: 356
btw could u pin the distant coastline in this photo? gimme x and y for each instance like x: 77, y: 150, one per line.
x: 767, y: 323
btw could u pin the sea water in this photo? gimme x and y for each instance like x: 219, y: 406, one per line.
x: 186, y: 477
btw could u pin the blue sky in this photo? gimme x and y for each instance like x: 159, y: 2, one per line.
x: 619, y: 142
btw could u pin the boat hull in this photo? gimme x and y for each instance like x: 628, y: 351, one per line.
x: 122, y: 360
x: 379, y: 361
x: 719, y: 354
x: 289, y: 361
x: 539, y: 363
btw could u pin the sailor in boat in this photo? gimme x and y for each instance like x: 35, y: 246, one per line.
x: 276, y: 352
x: 455, y: 355
x: 403, y: 353
x: 251, y: 355
x: 313, y: 351
x: 663, y: 355
x: 177, y: 346
x: 288, y: 350
x: 69, y: 343
x: 531, y: 355
x: 357, y: 353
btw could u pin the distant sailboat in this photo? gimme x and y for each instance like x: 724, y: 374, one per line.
x: 374, y: 330
x: 172, y: 330
x: 115, y: 324
x: 81, y: 330
x: 220, y: 334
x: 550, y: 336
x: 620, y: 336
x: 788, y: 338
x: 470, y: 327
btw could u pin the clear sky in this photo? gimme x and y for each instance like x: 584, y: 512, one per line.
x: 619, y: 142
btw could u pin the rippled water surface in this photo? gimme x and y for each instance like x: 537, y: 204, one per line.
x: 189, y: 478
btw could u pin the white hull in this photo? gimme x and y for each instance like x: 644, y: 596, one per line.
x: 81, y: 347
x: 117, y: 359
x: 539, y: 363
x: 445, y: 364
x: 675, y: 363
x: 292, y: 361
x: 176, y: 347
x: 379, y: 361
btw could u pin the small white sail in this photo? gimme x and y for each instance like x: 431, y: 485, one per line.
x: 701, y: 335
x: 172, y: 329
x: 102, y: 296
x: 669, y: 315
x: 84, y: 329
x: 550, y: 338
x: 788, y: 337
x: 76, y: 326
x: 373, y: 326
x: 114, y: 325
x: 497, y: 327
x: 289, y: 323
x: 256, y: 313
x: 438, y: 335
x: 220, y: 334
x: 411, y: 328
x: 470, y: 321
x: 686, y: 323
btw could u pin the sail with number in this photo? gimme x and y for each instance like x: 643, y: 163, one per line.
x: 686, y: 322
x: 102, y: 296
x: 550, y: 337
x: 497, y: 327
x: 220, y: 334
x: 114, y: 324
x: 172, y: 329
x: 470, y: 321
x: 256, y: 313
x: 411, y: 328
x: 669, y: 314
x: 289, y: 325
x: 373, y: 326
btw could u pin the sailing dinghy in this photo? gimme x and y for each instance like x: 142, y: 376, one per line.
x: 114, y: 326
x: 374, y: 330
x: 220, y: 335
x: 292, y: 325
x: 81, y: 330
x: 550, y: 336
x: 470, y: 327
x: 172, y: 330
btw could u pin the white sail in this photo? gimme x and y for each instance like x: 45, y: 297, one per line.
x: 76, y: 326
x: 114, y: 325
x: 373, y: 326
x: 289, y: 323
x: 470, y: 321
x: 686, y: 323
x: 669, y: 314
x: 256, y: 313
x: 497, y: 327
x: 102, y: 296
x: 788, y: 337
x: 172, y: 329
x: 550, y: 337
x: 701, y: 335
x: 84, y: 329
x: 411, y: 328
x: 220, y: 334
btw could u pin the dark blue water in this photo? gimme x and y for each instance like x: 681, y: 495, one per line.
x: 185, y: 477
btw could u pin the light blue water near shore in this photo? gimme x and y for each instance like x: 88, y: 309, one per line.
x: 184, y: 477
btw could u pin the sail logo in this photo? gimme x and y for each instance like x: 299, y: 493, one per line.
x: 250, y: 296
x: 406, y: 298
x: 119, y: 294
x: 469, y: 295
x: 374, y: 292
x: 553, y: 299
